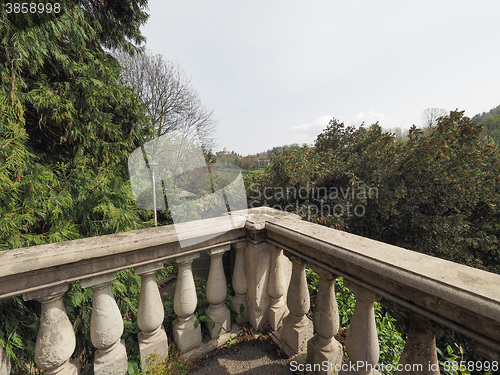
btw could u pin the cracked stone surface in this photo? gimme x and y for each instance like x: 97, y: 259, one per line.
x: 259, y: 356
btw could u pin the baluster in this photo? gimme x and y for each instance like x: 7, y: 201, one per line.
x: 257, y: 263
x: 297, y: 328
x: 106, y: 327
x: 362, y: 340
x: 239, y: 282
x: 4, y: 362
x: 186, y: 335
x: 276, y: 288
x: 216, y: 294
x: 420, y: 348
x: 152, y: 338
x: 55, y: 342
x: 323, y: 347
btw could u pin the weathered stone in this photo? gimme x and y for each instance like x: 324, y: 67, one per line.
x: 4, y: 362
x: 239, y: 283
x: 150, y: 314
x: 257, y: 261
x: 56, y: 340
x: 187, y: 334
x: 323, y: 347
x: 46, y: 265
x: 106, y: 328
x: 112, y: 360
x: 297, y: 328
x: 440, y: 290
x: 296, y: 332
x: 153, y: 343
x: 216, y: 294
x: 277, y: 288
x: 461, y: 297
x: 362, y: 339
x: 420, y: 348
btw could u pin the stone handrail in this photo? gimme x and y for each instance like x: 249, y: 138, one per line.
x: 459, y: 297
x: 271, y: 250
x: 433, y: 293
x: 37, y: 267
x: 44, y: 273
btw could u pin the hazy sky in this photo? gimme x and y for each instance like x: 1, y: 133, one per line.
x: 274, y: 72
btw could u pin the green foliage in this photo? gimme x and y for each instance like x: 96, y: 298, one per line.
x: 132, y: 368
x: 67, y: 127
x: 345, y: 301
x: 453, y: 363
x: 18, y: 331
x: 446, y: 359
x: 390, y: 339
x: 172, y: 365
x: 78, y: 304
x: 118, y: 22
x: 443, y: 197
x: 66, y: 130
x: 231, y: 341
x: 436, y: 193
x: 242, y: 313
x: 491, y: 125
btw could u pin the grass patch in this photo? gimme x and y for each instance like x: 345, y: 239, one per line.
x: 251, y: 171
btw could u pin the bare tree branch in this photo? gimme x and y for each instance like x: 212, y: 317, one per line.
x: 172, y: 102
x: 430, y: 116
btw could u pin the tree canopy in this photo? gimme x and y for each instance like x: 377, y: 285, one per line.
x: 491, y: 125
x: 172, y: 103
x: 67, y: 123
x: 436, y: 193
x: 67, y: 127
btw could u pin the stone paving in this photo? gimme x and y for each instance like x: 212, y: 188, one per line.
x: 251, y: 356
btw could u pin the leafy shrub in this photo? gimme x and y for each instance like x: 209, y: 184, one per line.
x: 390, y: 340
x: 18, y: 331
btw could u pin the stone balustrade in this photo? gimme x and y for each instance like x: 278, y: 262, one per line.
x: 271, y: 250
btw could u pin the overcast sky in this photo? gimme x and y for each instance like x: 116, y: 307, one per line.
x: 274, y: 72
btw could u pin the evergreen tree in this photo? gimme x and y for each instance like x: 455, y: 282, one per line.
x: 67, y: 127
x: 67, y: 123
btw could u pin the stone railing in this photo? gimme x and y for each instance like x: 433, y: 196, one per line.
x: 269, y: 280
x: 432, y: 293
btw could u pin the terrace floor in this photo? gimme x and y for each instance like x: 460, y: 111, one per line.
x: 252, y: 354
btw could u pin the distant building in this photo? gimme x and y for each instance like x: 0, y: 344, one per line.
x: 263, y: 162
x: 224, y: 152
x: 226, y: 156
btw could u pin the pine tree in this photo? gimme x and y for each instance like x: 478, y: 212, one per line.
x: 66, y: 131
x: 67, y: 123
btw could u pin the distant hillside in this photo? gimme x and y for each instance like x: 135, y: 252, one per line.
x: 491, y: 122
